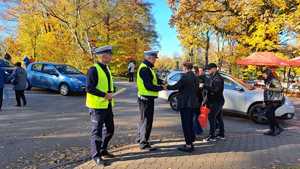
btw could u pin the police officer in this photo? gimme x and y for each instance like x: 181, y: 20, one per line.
x: 215, y: 101
x: 100, y: 101
x: 148, y: 85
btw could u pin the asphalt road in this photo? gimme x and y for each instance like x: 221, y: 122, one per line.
x: 53, y: 130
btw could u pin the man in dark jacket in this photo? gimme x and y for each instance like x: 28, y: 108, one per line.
x: 273, y: 98
x: 188, y: 104
x: 215, y: 102
x: 2, y: 81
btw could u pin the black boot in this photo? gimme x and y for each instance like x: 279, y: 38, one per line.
x: 106, y: 154
x: 186, y: 148
x: 279, y: 130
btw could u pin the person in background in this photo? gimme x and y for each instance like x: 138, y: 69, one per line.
x: 131, y: 69
x: 2, y: 82
x: 8, y: 58
x: 215, y: 101
x: 19, y: 80
x: 26, y: 61
x: 99, y: 100
x: 196, y: 125
x: 273, y: 97
x: 188, y: 103
x: 31, y: 60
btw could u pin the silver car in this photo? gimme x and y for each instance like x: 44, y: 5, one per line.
x: 240, y: 98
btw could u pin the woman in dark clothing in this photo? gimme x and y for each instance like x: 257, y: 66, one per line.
x: 19, y: 80
x: 200, y: 74
x: 273, y: 97
x: 188, y: 104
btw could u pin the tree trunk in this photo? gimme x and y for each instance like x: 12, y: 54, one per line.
x: 207, y: 48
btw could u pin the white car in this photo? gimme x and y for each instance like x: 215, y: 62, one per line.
x: 240, y: 98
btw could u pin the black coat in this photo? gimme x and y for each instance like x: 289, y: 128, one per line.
x: 215, y: 87
x: 188, y: 87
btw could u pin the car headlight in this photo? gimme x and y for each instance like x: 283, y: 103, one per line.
x: 288, y: 102
x: 76, y: 81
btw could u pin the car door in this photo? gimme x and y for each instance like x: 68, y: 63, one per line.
x: 234, y: 96
x: 35, y: 75
x: 50, y: 77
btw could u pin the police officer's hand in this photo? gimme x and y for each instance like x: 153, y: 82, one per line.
x: 165, y: 86
x: 109, y: 96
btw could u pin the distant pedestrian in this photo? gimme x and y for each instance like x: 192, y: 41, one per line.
x: 31, y: 60
x: 2, y: 82
x: 26, y: 61
x: 215, y: 101
x: 188, y: 103
x: 19, y: 80
x: 273, y: 98
x: 7, y: 57
x: 131, y: 69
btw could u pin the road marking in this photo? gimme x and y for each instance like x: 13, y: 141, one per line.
x: 122, y: 90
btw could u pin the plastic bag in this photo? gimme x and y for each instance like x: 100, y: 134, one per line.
x: 203, y: 117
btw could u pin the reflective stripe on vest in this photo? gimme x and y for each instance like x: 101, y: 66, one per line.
x: 142, y: 91
x: 96, y: 102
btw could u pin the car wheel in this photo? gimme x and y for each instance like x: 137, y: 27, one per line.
x: 257, y: 114
x: 64, y: 89
x: 173, y: 102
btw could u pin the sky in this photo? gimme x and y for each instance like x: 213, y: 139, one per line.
x: 169, y: 43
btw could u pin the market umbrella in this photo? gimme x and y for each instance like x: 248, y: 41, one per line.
x: 295, y: 62
x: 263, y: 59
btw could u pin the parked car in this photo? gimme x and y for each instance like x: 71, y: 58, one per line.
x: 8, y: 69
x: 58, y: 77
x: 240, y: 98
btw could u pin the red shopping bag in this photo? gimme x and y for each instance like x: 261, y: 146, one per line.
x: 203, y: 117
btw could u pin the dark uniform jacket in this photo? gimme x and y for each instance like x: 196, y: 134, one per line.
x: 215, y: 87
x: 188, y: 87
x: 146, y: 75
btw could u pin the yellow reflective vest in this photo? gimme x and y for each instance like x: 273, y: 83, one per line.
x: 142, y: 91
x: 96, y: 102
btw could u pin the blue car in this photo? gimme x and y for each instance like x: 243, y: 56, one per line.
x: 58, y: 77
x: 8, y: 69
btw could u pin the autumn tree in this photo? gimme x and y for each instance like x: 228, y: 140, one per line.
x: 67, y: 31
x: 248, y: 25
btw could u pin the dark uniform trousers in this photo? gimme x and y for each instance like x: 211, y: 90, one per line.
x: 98, y: 118
x: 146, y: 107
x: 215, y: 117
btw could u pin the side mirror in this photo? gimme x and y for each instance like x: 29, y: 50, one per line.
x: 238, y: 88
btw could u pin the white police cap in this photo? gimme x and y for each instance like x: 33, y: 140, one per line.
x: 103, y: 50
x: 151, y: 53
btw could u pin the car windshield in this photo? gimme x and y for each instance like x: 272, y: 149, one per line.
x: 241, y: 82
x: 66, y: 69
x: 5, y: 63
